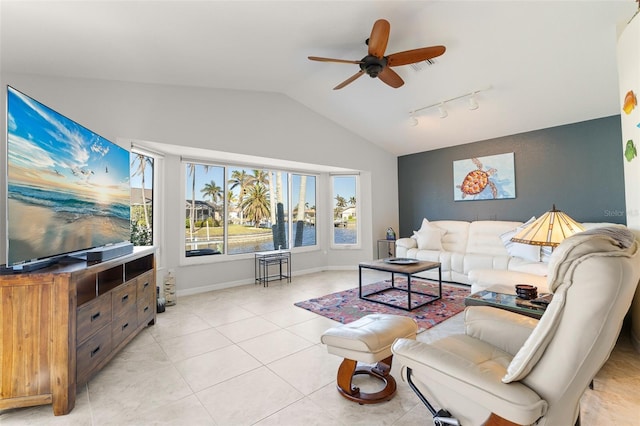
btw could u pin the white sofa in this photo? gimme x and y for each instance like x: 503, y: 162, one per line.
x: 480, y: 253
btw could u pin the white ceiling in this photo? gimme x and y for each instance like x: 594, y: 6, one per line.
x: 548, y: 62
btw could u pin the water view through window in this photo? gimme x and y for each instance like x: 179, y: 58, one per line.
x: 236, y: 210
x: 345, y: 222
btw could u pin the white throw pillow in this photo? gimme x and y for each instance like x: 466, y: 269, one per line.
x: 425, y: 224
x: 525, y: 251
x: 429, y: 237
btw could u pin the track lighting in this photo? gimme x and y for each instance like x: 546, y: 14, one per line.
x: 414, y: 120
x: 443, y: 111
x: 473, y: 105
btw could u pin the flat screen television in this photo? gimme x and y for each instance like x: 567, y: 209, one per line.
x: 68, y: 188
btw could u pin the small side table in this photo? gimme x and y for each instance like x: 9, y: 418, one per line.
x: 508, y: 302
x: 388, y: 246
x: 267, y: 260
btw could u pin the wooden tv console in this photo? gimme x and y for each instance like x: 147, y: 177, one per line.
x: 60, y: 325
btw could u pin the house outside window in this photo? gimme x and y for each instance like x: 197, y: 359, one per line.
x: 204, y: 210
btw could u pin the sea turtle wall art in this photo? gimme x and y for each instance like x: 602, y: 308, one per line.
x: 484, y: 178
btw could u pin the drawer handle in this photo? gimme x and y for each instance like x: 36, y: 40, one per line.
x: 95, y: 316
x: 95, y: 351
x: 125, y: 326
x: 146, y: 285
x: 146, y: 308
x: 124, y: 298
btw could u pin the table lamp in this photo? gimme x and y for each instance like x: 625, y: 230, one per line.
x: 549, y: 229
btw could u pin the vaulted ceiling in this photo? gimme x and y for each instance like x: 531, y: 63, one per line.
x: 547, y: 63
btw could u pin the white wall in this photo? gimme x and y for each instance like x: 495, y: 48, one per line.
x: 629, y: 79
x: 253, y: 123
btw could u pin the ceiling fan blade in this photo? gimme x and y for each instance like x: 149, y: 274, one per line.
x: 349, y: 80
x: 416, y: 55
x: 379, y: 38
x: 342, y: 61
x: 390, y: 77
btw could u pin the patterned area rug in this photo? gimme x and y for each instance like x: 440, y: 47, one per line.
x: 346, y: 306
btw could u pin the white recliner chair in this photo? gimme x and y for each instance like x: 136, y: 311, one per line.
x: 509, y: 369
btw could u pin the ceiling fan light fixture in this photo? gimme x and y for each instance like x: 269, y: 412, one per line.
x: 443, y: 111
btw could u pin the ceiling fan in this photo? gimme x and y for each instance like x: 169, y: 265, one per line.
x: 375, y: 64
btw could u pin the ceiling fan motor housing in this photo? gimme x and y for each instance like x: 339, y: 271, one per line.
x: 372, y: 65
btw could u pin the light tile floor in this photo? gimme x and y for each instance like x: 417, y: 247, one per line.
x: 247, y: 356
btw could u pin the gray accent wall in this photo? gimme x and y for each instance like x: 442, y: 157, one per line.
x: 578, y: 167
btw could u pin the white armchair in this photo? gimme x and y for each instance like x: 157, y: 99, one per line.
x: 510, y: 369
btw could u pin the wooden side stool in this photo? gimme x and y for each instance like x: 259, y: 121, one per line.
x: 368, y: 340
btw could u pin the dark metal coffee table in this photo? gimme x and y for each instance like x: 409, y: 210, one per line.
x: 407, y: 267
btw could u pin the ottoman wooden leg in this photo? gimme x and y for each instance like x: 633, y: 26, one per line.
x: 348, y: 368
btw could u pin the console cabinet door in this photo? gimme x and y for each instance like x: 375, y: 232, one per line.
x: 25, y: 317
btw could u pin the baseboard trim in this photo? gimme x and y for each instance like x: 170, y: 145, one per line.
x: 230, y: 284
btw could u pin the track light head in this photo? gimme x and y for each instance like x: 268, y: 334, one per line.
x: 473, y: 102
x: 443, y: 111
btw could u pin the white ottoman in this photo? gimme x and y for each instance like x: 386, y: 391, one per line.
x: 368, y: 340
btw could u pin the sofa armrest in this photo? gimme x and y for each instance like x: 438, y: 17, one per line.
x: 406, y: 243
x: 503, y: 329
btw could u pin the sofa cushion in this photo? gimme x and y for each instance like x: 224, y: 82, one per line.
x: 484, y: 237
x: 525, y: 251
x: 429, y: 238
x: 455, y: 240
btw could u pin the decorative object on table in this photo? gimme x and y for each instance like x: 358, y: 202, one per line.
x: 526, y: 291
x: 401, y: 260
x: 484, y: 178
x: 345, y: 306
x: 550, y: 229
x: 169, y: 285
x: 391, y: 234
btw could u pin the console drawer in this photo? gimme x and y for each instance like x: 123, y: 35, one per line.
x: 146, y: 309
x: 91, y: 352
x: 124, y: 297
x: 124, y: 324
x: 92, y: 316
x: 146, y: 287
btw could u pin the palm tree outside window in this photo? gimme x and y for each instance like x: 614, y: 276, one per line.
x: 141, y: 199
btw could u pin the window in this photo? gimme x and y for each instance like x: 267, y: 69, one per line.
x: 204, y: 210
x: 345, y: 209
x: 258, y: 212
x: 303, y: 200
x: 261, y: 210
x: 141, y: 199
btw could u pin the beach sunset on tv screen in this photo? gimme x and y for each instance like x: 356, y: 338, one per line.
x: 68, y: 188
